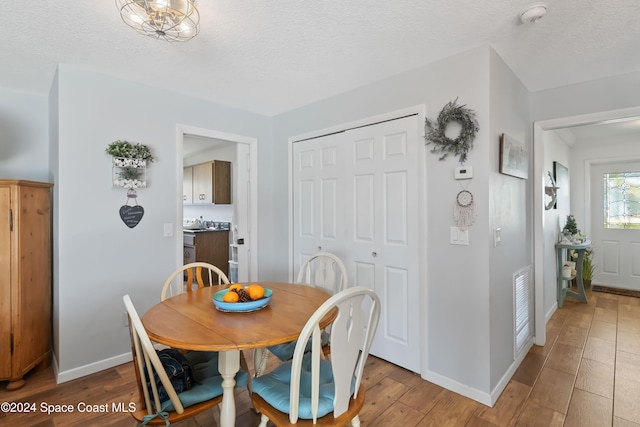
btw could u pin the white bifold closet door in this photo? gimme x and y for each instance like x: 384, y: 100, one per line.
x: 356, y: 194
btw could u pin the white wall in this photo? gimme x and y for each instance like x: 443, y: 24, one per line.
x: 24, y: 142
x: 98, y: 258
x: 555, y: 149
x: 596, y: 96
x: 510, y: 209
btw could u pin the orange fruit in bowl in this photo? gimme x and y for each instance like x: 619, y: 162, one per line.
x: 231, y: 296
x: 255, y: 291
x: 236, y: 287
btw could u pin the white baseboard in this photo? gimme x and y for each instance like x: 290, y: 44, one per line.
x: 488, y: 399
x: 504, y: 381
x: 549, y: 313
x: 456, y: 387
x: 91, y: 368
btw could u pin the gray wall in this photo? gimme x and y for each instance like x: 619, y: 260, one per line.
x: 24, y: 142
x: 99, y: 259
x: 465, y: 299
x: 510, y: 207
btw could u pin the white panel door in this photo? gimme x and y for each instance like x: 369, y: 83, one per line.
x: 617, y: 251
x: 382, y: 248
x: 318, y: 170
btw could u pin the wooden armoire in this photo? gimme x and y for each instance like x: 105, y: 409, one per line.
x: 25, y: 278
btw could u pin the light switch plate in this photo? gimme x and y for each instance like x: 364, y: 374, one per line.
x: 459, y: 237
x: 168, y: 230
x: 497, y: 237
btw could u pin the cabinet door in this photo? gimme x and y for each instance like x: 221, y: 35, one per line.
x: 187, y: 185
x: 212, y: 182
x: 221, y: 182
x: 5, y: 284
x: 202, y: 183
x: 32, y: 301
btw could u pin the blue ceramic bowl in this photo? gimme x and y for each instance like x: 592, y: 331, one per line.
x: 241, y: 306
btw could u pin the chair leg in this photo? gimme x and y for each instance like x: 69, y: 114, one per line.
x: 260, y: 356
x: 355, y: 422
x: 263, y: 421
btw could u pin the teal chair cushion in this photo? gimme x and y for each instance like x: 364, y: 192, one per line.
x: 284, y: 352
x: 274, y: 388
x: 207, y: 380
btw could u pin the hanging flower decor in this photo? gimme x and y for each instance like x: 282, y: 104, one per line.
x: 129, y: 163
x: 129, y: 171
x: 130, y: 151
x: 460, y: 146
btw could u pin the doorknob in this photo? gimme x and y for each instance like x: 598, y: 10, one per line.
x: 374, y: 254
x: 319, y: 248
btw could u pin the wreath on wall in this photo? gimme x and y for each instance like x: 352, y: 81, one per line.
x: 460, y: 146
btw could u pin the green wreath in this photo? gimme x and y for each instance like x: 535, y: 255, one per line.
x: 435, y: 132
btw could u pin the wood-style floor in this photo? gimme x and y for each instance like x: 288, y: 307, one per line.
x: 588, y: 374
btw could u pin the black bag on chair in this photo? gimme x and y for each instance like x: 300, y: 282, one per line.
x: 178, y: 369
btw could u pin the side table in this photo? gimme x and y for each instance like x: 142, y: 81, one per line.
x: 563, y: 291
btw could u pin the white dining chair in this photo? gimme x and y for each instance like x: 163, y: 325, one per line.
x: 182, y: 280
x: 309, y: 389
x: 321, y: 270
x: 205, y: 394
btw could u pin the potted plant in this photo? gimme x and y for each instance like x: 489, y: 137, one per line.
x: 129, y: 162
x: 570, y: 227
x: 588, y: 267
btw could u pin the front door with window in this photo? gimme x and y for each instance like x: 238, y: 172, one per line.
x: 615, y: 224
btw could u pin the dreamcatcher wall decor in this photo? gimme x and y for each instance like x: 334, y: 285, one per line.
x: 463, y: 143
x: 464, y: 210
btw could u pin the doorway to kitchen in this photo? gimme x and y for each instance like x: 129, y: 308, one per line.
x: 197, y: 145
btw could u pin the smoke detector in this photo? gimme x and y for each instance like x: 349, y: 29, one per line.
x: 533, y: 13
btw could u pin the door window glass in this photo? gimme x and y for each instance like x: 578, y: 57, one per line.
x: 622, y: 200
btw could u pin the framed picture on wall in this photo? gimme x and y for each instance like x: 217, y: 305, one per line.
x: 561, y: 175
x: 514, y: 157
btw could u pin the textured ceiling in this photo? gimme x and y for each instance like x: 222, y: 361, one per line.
x: 271, y: 56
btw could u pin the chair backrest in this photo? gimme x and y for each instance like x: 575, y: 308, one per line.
x: 182, y: 280
x: 324, y: 270
x: 147, y: 363
x: 352, y: 332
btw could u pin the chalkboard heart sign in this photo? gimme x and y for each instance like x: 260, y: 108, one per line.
x: 131, y: 215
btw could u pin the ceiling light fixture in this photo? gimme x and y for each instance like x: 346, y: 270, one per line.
x: 533, y: 13
x: 171, y: 20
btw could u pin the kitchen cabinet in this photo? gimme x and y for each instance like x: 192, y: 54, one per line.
x: 207, y: 246
x: 212, y: 182
x: 25, y: 284
x: 187, y: 185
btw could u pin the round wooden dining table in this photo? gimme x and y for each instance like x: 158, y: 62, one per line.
x: 191, y: 321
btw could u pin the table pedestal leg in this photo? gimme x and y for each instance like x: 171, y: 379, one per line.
x: 228, y: 364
